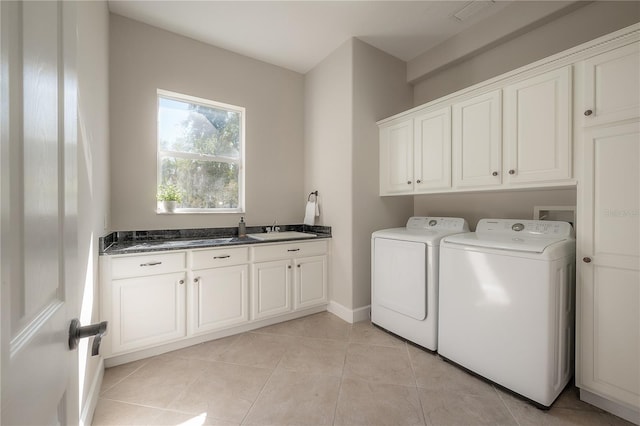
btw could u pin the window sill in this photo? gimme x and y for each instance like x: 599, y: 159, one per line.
x: 199, y: 211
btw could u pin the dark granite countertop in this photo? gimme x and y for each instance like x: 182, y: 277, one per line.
x: 126, y: 242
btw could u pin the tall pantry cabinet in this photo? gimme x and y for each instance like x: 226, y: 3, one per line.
x: 608, y: 232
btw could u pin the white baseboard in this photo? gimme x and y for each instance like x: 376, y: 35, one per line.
x: 349, y: 315
x: 86, y: 416
x: 613, y: 407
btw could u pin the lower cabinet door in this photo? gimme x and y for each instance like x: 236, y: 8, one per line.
x: 219, y: 298
x: 310, y: 288
x: 147, y: 311
x: 270, y: 288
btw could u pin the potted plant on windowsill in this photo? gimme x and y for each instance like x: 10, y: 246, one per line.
x: 170, y: 196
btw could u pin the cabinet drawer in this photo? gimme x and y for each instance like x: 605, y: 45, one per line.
x: 212, y: 258
x: 148, y: 264
x: 288, y: 250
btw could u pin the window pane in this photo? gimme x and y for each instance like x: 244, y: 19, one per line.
x: 198, y: 129
x: 204, y: 184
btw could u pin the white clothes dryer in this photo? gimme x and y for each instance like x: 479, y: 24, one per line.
x: 507, y: 304
x: 404, y: 277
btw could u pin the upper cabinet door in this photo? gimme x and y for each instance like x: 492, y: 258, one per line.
x: 537, y: 129
x: 432, y: 151
x: 612, y: 86
x: 477, y: 141
x: 396, y: 158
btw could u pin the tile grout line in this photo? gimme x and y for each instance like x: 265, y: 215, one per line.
x: 266, y: 382
x: 505, y: 405
x: 344, y: 364
x: 135, y: 404
x: 415, y: 380
x: 122, y: 379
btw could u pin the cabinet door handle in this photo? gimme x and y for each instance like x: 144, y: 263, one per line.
x: 294, y: 249
x: 298, y: 265
x: 588, y: 112
x: 586, y: 259
x: 289, y: 267
x: 151, y: 264
x: 226, y: 256
x: 408, y: 182
x: 196, y: 280
x: 181, y: 282
x: 418, y: 181
x: 512, y: 172
x: 494, y: 174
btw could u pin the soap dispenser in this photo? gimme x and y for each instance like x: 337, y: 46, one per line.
x: 242, y: 228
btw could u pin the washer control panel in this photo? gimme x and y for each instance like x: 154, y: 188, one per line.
x: 438, y: 223
x: 541, y: 228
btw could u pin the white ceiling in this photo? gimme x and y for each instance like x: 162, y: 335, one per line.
x: 297, y: 35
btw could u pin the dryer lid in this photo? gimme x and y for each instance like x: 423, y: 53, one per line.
x: 501, y: 242
x: 532, y: 236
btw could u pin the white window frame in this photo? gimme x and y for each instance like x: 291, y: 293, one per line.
x: 240, y: 162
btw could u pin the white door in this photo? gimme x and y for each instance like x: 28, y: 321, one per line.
x: 396, y: 158
x: 220, y: 298
x: 270, y: 288
x: 609, y: 264
x: 310, y: 286
x: 537, y: 128
x: 477, y: 141
x: 612, y: 86
x: 399, y: 277
x: 432, y: 153
x: 140, y: 321
x: 38, y: 196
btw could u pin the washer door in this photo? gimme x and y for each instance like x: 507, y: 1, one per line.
x: 400, y: 277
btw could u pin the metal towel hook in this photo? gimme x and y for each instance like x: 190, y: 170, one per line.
x: 312, y: 193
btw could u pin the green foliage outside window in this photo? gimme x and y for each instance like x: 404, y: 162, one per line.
x: 200, y: 153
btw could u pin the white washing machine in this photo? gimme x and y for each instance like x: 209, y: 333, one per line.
x: 404, y: 277
x: 507, y: 304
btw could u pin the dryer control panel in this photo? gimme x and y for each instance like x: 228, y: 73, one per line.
x: 531, y: 228
x: 438, y: 223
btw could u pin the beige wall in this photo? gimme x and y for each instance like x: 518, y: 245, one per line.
x: 584, y: 24
x: 351, y: 89
x: 328, y: 158
x: 379, y: 90
x: 498, y: 205
x: 143, y: 59
x: 93, y: 168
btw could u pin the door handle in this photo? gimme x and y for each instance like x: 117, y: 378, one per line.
x: 77, y: 332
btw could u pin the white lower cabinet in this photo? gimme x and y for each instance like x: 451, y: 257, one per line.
x: 310, y: 282
x: 147, y: 311
x: 155, y: 299
x: 271, y: 288
x: 219, y: 298
x: 299, y: 273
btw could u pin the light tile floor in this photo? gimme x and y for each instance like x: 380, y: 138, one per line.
x: 317, y: 370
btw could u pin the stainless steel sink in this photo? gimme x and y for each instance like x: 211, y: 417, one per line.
x: 276, y: 236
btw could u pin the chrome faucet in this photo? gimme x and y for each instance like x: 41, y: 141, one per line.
x: 274, y: 227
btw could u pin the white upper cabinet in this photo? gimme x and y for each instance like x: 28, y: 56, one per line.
x: 537, y: 129
x: 477, y: 141
x: 432, y: 151
x: 611, y: 86
x: 516, y: 130
x: 396, y: 158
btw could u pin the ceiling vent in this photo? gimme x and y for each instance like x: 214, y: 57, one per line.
x: 472, y: 8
